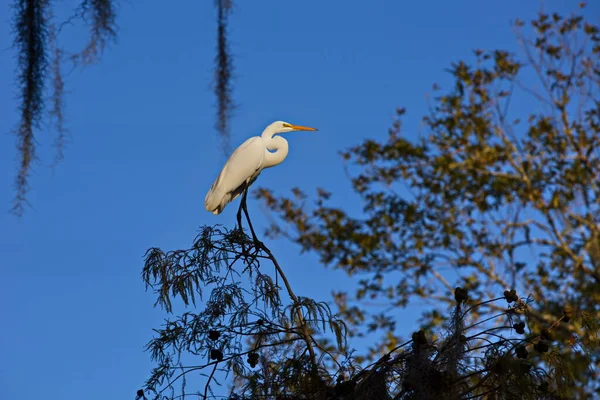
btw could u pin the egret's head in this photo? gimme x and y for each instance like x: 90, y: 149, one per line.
x: 282, y: 126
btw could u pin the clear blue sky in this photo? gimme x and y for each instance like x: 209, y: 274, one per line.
x: 75, y: 316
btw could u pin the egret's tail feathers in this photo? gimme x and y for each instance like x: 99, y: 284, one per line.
x: 215, y: 201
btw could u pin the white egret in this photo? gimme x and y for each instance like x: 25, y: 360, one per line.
x: 247, y: 162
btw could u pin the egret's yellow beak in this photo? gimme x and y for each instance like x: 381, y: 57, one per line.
x: 303, y: 128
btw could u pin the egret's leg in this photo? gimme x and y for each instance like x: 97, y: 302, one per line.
x: 239, y: 216
x: 239, y: 221
x: 245, y: 208
x: 259, y: 245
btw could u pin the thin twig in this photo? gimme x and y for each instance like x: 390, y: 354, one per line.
x: 208, y: 381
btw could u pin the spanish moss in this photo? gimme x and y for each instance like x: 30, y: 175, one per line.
x: 223, y: 76
x: 103, y: 28
x: 30, y: 26
x: 57, y: 97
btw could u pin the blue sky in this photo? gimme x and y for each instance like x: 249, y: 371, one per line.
x: 144, y: 152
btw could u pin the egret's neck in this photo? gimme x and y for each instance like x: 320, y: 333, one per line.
x: 277, y: 143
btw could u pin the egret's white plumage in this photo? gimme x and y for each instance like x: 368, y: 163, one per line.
x: 247, y: 162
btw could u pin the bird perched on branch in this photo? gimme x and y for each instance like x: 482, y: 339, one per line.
x: 247, y: 162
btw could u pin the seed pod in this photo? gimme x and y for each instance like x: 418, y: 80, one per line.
x: 216, y: 354
x: 252, y: 359
x: 419, y: 337
x: 511, y: 295
x: 541, y: 346
x: 522, y: 352
x: 519, y: 327
x: 461, y: 295
x: 547, y: 335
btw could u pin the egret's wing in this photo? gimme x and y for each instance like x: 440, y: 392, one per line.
x: 241, y: 166
x: 240, y: 170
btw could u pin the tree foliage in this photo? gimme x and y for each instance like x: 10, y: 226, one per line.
x: 493, y: 217
x: 244, y: 318
x: 297, y: 349
x: 486, y: 200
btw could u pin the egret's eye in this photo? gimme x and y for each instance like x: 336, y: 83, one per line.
x: 286, y: 125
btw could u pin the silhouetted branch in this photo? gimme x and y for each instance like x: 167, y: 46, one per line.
x: 296, y: 304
